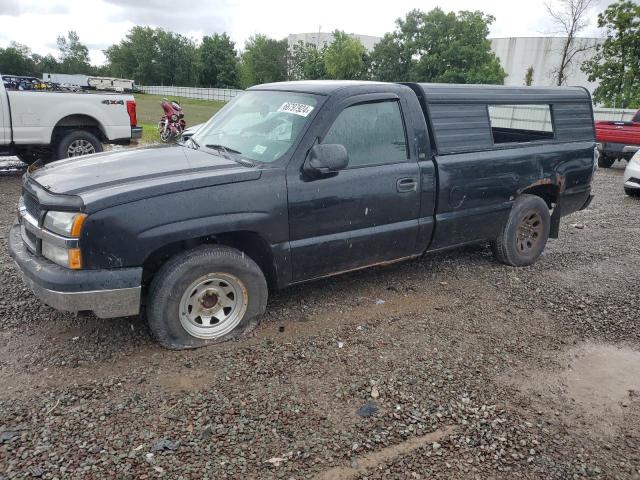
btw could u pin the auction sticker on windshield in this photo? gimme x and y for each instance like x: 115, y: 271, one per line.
x: 296, y: 108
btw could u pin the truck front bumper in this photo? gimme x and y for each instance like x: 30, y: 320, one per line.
x: 108, y: 293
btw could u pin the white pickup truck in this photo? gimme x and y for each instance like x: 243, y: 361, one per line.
x: 51, y: 125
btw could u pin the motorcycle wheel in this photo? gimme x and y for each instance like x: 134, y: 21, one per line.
x: 165, y: 135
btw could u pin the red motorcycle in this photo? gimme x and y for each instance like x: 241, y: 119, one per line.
x: 172, y: 123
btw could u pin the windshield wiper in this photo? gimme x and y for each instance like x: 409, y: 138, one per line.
x: 223, y: 148
x: 227, y: 151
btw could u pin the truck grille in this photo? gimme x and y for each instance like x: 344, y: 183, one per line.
x: 32, y: 206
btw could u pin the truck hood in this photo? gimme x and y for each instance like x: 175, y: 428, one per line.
x: 114, y: 178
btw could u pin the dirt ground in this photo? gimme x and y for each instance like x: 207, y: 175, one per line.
x: 451, y: 366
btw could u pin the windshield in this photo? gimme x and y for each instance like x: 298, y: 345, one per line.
x: 258, y: 125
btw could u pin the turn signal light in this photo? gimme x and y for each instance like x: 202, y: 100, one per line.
x: 75, y: 259
x: 76, y: 227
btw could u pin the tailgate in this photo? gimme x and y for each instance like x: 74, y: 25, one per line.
x: 618, y: 132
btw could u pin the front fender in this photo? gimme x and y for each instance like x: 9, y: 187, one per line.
x: 125, y: 235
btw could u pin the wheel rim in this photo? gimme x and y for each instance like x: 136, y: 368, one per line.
x: 80, y: 147
x: 165, y: 135
x: 529, y: 232
x: 213, y: 305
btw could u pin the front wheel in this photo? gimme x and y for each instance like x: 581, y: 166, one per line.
x: 525, y: 233
x: 206, y: 295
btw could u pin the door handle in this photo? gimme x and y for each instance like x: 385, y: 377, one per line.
x: 408, y: 184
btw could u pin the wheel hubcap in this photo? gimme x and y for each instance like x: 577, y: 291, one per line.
x: 529, y: 232
x: 80, y: 147
x: 213, y: 305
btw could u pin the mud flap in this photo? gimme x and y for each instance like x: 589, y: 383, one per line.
x: 554, y: 230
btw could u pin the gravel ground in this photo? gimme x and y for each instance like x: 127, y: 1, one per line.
x: 451, y: 366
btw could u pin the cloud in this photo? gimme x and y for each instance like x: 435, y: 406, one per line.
x: 10, y: 8
x: 101, y: 23
x: 210, y: 18
x: 15, y: 8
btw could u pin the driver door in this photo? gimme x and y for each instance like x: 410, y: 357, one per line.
x: 367, y: 213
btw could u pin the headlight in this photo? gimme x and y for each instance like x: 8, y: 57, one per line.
x: 67, y: 224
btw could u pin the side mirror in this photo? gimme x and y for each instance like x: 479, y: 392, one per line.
x: 325, y: 160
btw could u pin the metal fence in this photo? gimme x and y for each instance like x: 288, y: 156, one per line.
x: 613, y: 114
x: 535, y: 117
x: 222, y: 94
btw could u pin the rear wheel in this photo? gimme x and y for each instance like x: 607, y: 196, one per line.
x: 77, y: 143
x: 605, y: 161
x: 525, y: 234
x: 204, y: 296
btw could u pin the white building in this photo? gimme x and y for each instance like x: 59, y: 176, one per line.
x: 516, y: 55
x: 323, y: 38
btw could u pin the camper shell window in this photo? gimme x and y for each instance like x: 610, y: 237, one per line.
x: 458, y: 116
x: 520, y: 123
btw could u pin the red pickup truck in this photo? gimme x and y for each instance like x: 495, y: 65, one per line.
x: 617, y: 140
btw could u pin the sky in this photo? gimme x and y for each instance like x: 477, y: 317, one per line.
x: 100, y: 23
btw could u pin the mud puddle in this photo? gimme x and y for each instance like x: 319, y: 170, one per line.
x: 597, y: 385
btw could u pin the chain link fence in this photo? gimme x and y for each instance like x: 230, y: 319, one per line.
x: 221, y: 94
x: 613, y: 114
x: 530, y: 116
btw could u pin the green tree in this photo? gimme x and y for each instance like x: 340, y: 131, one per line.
x: 345, y: 58
x: 136, y: 56
x: 45, y: 64
x: 306, y: 62
x: 74, y: 55
x: 528, y: 77
x: 264, y: 60
x: 177, y: 61
x: 219, y: 62
x: 616, y: 63
x: 389, y: 61
x: 438, y: 47
x: 16, y: 59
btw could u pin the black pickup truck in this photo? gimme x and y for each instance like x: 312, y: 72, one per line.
x: 296, y: 181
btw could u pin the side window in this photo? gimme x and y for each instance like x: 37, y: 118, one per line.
x: 520, y: 123
x: 637, y: 117
x: 372, y: 133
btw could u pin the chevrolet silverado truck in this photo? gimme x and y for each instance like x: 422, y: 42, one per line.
x: 617, y: 140
x: 48, y: 125
x: 295, y: 181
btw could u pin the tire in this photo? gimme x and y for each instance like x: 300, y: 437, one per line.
x: 632, y: 192
x: 525, y: 234
x: 77, y: 141
x: 179, y: 292
x: 605, y: 161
